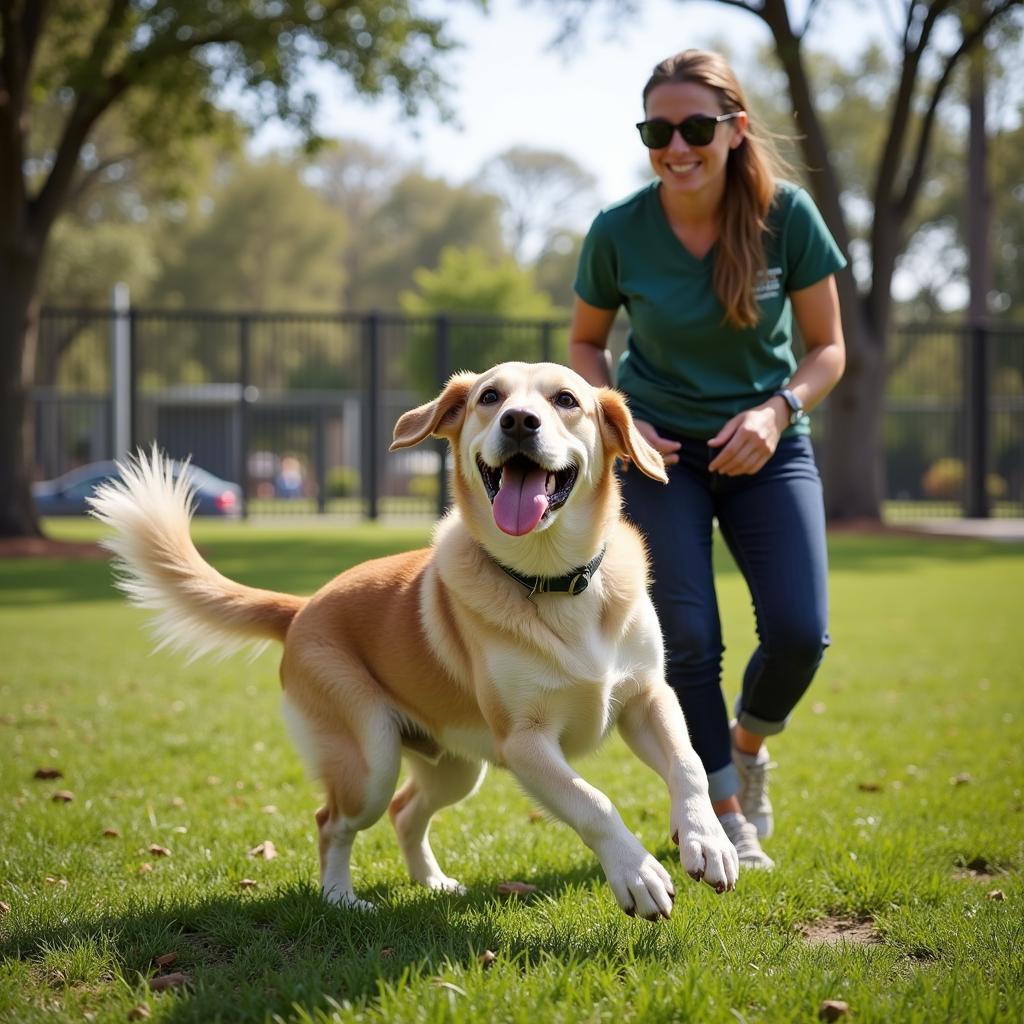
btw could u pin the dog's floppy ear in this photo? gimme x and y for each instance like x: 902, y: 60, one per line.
x: 443, y: 416
x: 622, y: 437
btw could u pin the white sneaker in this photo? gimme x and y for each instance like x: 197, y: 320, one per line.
x: 753, y: 771
x: 743, y: 836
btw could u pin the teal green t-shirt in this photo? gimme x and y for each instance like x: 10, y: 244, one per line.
x: 685, y: 369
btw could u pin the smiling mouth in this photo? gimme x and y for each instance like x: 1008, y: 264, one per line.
x: 523, y: 493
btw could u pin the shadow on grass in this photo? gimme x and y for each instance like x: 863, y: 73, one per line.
x: 251, y: 957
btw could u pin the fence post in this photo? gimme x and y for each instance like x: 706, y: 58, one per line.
x: 320, y: 455
x: 976, y: 389
x: 243, y: 412
x: 444, y: 363
x: 133, y: 380
x: 371, y: 414
x: 122, y: 387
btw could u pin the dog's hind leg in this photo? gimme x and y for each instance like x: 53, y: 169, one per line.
x: 360, y: 780
x: 428, y: 788
x: 359, y: 773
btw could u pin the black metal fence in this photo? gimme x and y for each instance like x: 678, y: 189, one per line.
x: 298, y: 408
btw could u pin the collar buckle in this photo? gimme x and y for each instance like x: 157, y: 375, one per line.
x: 579, y: 583
x: 573, y: 583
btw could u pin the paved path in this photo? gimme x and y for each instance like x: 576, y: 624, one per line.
x: 1010, y: 531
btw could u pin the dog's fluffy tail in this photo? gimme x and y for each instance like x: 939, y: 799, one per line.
x: 158, y: 566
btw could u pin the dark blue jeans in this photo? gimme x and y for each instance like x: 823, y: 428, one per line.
x: 774, y: 524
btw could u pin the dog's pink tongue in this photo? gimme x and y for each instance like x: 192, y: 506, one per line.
x: 521, y: 500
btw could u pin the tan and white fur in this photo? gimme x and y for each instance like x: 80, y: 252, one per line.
x: 441, y: 657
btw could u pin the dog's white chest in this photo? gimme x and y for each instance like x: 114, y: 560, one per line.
x: 573, y: 699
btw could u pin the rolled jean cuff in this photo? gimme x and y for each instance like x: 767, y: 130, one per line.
x: 723, y: 783
x: 759, y: 726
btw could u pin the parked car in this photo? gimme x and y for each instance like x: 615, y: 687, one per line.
x: 65, y: 496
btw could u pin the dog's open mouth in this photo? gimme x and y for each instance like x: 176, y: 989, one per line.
x: 523, y: 493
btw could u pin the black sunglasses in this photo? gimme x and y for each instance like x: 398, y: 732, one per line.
x: 696, y: 130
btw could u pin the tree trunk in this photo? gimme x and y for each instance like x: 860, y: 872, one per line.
x: 853, y: 466
x: 18, y: 332
x: 854, y: 469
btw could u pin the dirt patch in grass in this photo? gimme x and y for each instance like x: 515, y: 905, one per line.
x: 832, y: 931
x: 47, y: 547
x: 978, y: 869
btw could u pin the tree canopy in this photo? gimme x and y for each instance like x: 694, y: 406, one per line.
x: 267, y: 242
x: 469, y: 281
x: 541, y: 192
x: 164, y: 69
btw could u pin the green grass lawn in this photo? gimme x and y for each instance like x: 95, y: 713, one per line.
x: 898, y: 797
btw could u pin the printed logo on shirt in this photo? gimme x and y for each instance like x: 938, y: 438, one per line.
x: 768, y: 284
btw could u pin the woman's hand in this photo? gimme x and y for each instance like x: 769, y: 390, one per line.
x: 666, y: 448
x: 748, y: 440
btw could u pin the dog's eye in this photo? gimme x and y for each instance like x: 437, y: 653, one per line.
x: 489, y: 396
x: 566, y: 400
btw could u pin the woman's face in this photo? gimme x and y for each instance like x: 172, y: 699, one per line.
x: 686, y: 169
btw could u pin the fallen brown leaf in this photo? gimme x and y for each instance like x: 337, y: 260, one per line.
x: 516, y: 888
x: 144, y: 869
x: 961, y: 779
x: 5, y: 908
x: 387, y: 953
x: 165, y: 981
x: 536, y: 816
x: 833, y: 1009
x: 140, y: 1012
x: 48, y: 773
x: 112, y: 833
x: 486, y: 958
x: 869, y: 787
x: 248, y: 883
x: 265, y: 851
x: 166, y: 959
x: 53, y: 880
x: 63, y: 796
x: 996, y: 894
x: 159, y: 851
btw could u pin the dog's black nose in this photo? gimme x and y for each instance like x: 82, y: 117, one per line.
x: 519, y: 423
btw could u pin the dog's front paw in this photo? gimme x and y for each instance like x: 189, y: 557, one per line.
x: 348, y: 901
x: 443, y: 883
x: 641, y: 884
x: 706, y: 853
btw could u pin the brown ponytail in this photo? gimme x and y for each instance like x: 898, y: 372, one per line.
x: 751, y: 173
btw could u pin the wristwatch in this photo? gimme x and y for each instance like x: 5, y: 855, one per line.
x: 796, y: 407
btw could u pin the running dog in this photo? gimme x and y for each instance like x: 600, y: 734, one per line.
x: 519, y: 638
